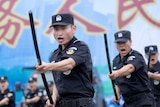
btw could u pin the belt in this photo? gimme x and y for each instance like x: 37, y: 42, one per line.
x: 75, y: 102
x: 132, y: 98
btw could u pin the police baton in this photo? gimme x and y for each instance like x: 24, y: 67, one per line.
x: 149, y: 57
x: 109, y: 65
x: 38, y: 55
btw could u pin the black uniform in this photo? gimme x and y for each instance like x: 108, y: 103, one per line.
x: 134, y: 87
x: 155, y: 84
x: 11, y: 95
x: 30, y: 95
x: 75, y: 87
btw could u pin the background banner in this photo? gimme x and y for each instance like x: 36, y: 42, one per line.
x: 92, y: 17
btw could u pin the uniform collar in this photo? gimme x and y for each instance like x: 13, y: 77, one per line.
x: 156, y: 65
x: 129, y: 53
x: 4, y: 91
x: 71, y: 41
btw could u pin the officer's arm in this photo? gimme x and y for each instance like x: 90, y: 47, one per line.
x: 117, y: 91
x: 64, y: 65
x: 154, y: 76
x: 55, y: 94
x: 54, y: 97
x: 33, y: 100
x: 118, y: 94
x: 125, y: 70
x: 4, y: 101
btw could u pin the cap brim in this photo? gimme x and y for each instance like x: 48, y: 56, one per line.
x: 59, y: 23
x: 3, y: 80
x: 121, y: 40
x: 31, y: 81
x: 152, y: 52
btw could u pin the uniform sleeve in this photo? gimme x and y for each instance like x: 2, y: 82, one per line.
x: 11, y: 96
x: 80, y: 52
x: 137, y: 60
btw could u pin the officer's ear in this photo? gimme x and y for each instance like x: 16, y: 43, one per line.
x: 74, y: 28
x: 146, y: 56
x: 130, y: 42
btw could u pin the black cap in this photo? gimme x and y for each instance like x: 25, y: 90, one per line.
x: 122, y: 36
x: 152, y: 48
x: 3, y: 78
x: 50, y: 83
x: 32, y: 79
x: 62, y: 19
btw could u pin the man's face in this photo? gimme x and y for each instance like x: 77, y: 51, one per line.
x: 124, y: 47
x: 153, y: 58
x: 63, y: 34
x: 4, y: 85
x: 33, y: 86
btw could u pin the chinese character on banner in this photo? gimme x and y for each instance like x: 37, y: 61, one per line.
x: 11, y: 24
x: 90, y: 27
x: 128, y: 9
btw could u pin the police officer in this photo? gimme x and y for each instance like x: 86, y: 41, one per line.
x: 7, y: 97
x: 34, y: 97
x: 154, y: 71
x: 50, y: 86
x: 71, y: 65
x: 130, y: 74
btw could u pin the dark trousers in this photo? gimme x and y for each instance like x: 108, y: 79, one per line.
x: 80, y: 102
x: 145, y: 99
x: 157, y: 98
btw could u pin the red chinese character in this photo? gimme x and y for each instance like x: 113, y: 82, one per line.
x: 11, y: 23
x: 89, y: 26
x: 133, y: 7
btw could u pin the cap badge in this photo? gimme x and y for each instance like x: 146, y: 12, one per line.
x: 31, y: 79
x: 151, y: 48
x: 58, y: 18
x: 2, y: 78
x: 120, y: 35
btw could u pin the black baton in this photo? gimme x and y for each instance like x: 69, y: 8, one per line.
x: 149, y: 57
x: 38, y: 55
x: 109, y: 65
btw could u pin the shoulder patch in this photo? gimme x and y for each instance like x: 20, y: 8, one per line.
x: 130, y: 58
x: 71, y: 50
x: 40, y: 94
x: 9, y: 94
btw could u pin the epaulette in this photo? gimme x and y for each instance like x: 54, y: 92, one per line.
x: 76, y: 41
x: 131, y: 52
x: 54, y: 50
x: 10, y: 90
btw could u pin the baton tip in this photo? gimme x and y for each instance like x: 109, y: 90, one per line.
x: 30, y: 12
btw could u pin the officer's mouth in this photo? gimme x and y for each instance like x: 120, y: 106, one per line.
x: 60, y: 39
x: 152, y: 59
x: 123, y: 50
